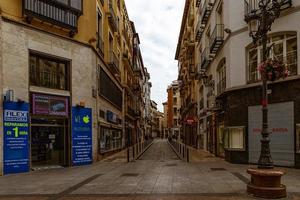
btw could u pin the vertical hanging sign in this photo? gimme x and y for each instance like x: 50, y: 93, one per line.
x: 82, y: 136
x: 16, y: 137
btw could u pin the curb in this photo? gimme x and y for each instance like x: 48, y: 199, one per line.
x: 138, y: 156
x: 179, y: 156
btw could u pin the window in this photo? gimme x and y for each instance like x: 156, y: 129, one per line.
x: 100, y: 43
x: 49, y: 73
x: 298, y: 138
x: 109, y: 90
x: 109, y: 139
x: 284, y: 48
x: 234, y: 138
x: 221, y: 76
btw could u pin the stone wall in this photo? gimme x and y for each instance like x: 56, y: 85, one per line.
x: 17, y: 41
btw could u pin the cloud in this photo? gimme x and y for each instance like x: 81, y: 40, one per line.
x: 158, y: 24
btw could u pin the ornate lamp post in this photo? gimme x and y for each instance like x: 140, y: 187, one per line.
x: 265, y: 181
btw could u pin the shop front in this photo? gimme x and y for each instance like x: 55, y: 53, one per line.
x: 110, y: 137
x: 49, y: 131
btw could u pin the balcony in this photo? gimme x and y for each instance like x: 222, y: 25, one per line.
x: 252, y: 10
x: 56, y: 13
x: 192, y: 70
x: 112, y: 18
x: 199, y: 31
x: 113, y: 62
x: 205, y: 58
x: 100, y: 44
x: 206, y: 11
x: 216, y: 38
x: 127, y: 60
x: 130, y: 111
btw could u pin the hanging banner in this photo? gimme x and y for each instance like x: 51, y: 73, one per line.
x: 16, y: 137
x: 81, y: 136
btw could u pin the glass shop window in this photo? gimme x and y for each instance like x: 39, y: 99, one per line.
x: 234, y: 138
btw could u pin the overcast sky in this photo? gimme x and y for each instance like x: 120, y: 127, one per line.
x: 158, y: 24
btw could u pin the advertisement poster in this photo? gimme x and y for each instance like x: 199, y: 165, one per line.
x: 81, y: 136
x: 16, y: 137
x: 49, y: 105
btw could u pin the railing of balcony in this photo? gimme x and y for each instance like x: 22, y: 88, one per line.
x: 113, y: 18
x: 199, y: 31
x: 205, y: 58
x: 206, y: 10
x: 54, y: 12
x: 252, y: 8
x: 100, y: 44
x: 216, y: 36
x: 113, y: 60
x: 130, y: 111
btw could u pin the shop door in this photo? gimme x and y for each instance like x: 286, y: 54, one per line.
x: 281, y: 126
x: 48, y: 143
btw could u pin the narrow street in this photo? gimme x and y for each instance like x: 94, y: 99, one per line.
x: 158, y: 174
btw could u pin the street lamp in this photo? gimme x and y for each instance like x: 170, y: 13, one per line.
x: 265, y: 181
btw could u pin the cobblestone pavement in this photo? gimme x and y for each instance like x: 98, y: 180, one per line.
x: 158, y: 174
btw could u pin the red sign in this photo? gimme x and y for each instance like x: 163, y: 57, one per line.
x: 190, y: 120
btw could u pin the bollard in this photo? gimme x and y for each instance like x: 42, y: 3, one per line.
x: 187, y: 155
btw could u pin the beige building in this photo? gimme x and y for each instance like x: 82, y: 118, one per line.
x: 63, y: 60
x: 228, y: 89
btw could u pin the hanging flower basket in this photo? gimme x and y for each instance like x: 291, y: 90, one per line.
x: 273, y: 69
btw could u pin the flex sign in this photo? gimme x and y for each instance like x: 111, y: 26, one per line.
x: 81, y: 136
x: 16, y: 137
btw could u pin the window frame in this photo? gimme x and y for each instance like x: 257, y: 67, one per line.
x: 286, y: 38
x: 58, y: 61
x: 227, y: 144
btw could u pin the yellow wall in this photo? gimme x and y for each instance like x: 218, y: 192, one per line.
x: 86, y: 24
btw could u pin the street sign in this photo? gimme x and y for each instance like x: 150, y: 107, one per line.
x: 190, y: 120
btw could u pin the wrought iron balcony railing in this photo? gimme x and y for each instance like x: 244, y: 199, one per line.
x: 206, y: 11
x: 199, y: 31
x: 54, y: 12
x: 252, y: 10
x: 114, y: 62
x: 205, y: 58
x: 216, y: 38
x: 112, y: 18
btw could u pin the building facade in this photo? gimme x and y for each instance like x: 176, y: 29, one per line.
x: 229, y: 84
x: 63, y: 67
x: 173, y: 110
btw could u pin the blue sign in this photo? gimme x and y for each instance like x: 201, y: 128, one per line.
x: 16, y: 137
x: 82, y: 136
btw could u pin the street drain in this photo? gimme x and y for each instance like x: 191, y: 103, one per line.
x: 217, y: 169
x: 130, y: 175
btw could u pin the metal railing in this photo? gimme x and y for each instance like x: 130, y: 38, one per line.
x: 205, y: 58
x: 113, y: 18
x: 252, y: 9
x: 113, y: 60
x: 217, y: 35
x: 206, y: 10
x: 52, y: 12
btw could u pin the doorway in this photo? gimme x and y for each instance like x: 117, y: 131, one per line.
x: 48, y: 143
